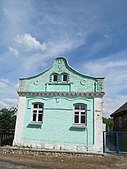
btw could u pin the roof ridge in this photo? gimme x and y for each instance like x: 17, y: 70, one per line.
x: 120, y: 109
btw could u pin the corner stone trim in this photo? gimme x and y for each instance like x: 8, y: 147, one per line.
x: 64, y: 94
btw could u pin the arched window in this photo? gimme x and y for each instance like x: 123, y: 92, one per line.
x: 65, y: 77
x: 80, y: 114
x: 37, y: 110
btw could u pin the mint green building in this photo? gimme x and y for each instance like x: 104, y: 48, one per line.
x: 60, y: 109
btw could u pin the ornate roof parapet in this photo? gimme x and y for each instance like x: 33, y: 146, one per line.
x: 63, y: 94
x: 100, y: 86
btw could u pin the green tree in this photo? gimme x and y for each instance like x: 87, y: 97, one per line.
x: 109, y: 123
x: 7, y: 119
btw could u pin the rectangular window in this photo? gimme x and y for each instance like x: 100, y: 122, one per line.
x: 80, y: 114
x: 64, y: 77
x: 55, y: 77
x: 37, y: 110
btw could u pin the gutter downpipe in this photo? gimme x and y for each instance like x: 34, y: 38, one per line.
x: 86, y: 137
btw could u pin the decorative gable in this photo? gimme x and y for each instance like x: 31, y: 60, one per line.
x: 61, y: 78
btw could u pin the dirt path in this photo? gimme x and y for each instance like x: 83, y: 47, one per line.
x: 64, y: 161
x: 5, y: 165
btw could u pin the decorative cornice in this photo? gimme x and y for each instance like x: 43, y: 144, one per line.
x: 63, y: 94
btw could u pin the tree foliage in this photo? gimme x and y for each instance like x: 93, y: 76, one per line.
x: 109, y: 123
x: 7, y: 119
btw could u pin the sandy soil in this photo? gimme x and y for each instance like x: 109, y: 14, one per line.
x: 65, y: 161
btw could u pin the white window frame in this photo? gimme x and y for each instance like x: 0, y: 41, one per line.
x: 80, y: 114
x: 37, y: 112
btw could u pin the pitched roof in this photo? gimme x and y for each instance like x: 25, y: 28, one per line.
x: 119, y: 110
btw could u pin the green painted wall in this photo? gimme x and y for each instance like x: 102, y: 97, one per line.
x: 58, y: 121
x: 58, y: 111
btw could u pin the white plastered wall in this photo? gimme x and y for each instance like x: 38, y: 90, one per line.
x: 98, y: 127
x: 98, y: 130
x: 19, y: 121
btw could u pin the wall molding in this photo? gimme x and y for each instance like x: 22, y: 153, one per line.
x: 64, y: 94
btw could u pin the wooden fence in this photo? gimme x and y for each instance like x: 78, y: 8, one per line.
x: 6, y: 138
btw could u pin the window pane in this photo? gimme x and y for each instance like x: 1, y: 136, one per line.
x: 76, y: 120
x: 34, y: 117
x: 83, y: 107
x: 40, y: 112
x: 41, y: 106
x: 55, y: 78
x: 83, y: 119
x: 34, y: 111
x: 64, y: 77
x: 77, y: 107
x: 76, y: 113
x: 40, y: 117
x: 35, y: 105
x: 82, y: 113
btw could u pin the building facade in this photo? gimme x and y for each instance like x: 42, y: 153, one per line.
x: 120, y: 118
x: 60, y: 109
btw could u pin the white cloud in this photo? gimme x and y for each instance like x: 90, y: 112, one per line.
x: 106, y: 36
x: 16, y: 86
x: 108, y: 64
x: 8, y: 90
x: 112, y: 104
x: 30, y: 43
x: 113, y: 68
x: 103, y: 65
x: 56, y: 49
x: 14, y: 51
x: 64, y: 44
x: 8, y: 103
x: 4, y: 80
x: 3, y: 83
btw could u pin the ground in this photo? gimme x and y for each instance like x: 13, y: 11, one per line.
x: 61, y: 161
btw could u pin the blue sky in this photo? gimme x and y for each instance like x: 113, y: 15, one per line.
x: 91, y: 34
